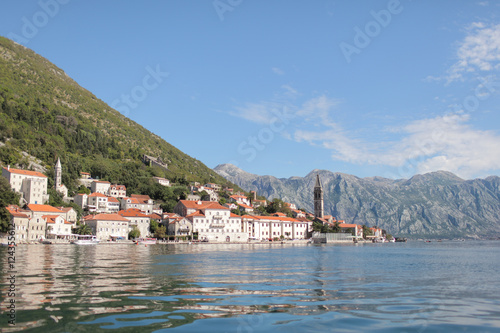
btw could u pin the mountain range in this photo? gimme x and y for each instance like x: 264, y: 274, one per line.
x: 434, y: 205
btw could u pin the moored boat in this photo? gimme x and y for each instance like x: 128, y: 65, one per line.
x: 85, y: 240
x: 145, y: 241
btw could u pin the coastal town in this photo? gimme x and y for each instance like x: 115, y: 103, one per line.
x: 113, y: 215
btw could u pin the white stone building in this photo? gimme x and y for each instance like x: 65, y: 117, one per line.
x: 32, y: 185
x: 212, y: 222
x: 162, y: 181
x: 142, y: 202
x: 100, y: 186
x: 117, y: 191
x: 57, y: 227
x: 270, y: 227
x: 108, y: 226
x: 137, y: 219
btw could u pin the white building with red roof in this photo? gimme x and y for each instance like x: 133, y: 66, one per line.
x: 20, y: 219
x: 239, y: 199
x: 142, y: 202
x: 212, y: 222
x: 117, y: 191
x: 71, y: 214
x: 270, y: 227
x: 97, y: 203
x: 137, y: 219
x: 57, y: 227
x: 40, y: 210
x: 32, y: 185
x: 177, y: 226
x: 108, y: 226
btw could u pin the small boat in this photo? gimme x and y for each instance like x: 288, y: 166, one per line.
x: 145, y: 241
x: 85, y: 240
x: 401, y: 239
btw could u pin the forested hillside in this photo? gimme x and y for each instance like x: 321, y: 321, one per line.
x: 46, y: 114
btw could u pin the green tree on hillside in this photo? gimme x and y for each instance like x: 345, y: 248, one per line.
x: 7, y: 197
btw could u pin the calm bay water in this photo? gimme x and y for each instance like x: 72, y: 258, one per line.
x: 396, y: 287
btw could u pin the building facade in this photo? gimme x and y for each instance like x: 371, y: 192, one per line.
x: 212, y: 222
x: 108, y: 226
x: 32, y: 185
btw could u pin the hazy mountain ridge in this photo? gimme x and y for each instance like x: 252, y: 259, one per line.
x: 437, y: 204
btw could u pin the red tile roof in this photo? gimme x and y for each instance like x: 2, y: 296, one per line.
x: 277, y: 218
x: 250, y: 217
x: 26, y: 172
x: 202, y: 205
x: 132, y: 200
x: 155, y: 216
x: 97, y: 194
x: 132, y: 213
x: 109, y: 217
x: 197, y: 213
x: 52, y: 219
x: 43, y: 208
x: 65, y: 209
x: 140, y: 197
x: 245, y: 206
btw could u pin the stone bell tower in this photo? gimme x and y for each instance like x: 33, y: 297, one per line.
x: 318, y: 199
x: 58, y: 174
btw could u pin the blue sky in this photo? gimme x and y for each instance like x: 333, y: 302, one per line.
x: 370, y: 88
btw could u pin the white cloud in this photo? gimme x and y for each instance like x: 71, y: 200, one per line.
x: 278, y: 71
x: 441, y: 143
x: 479, y: 51
x: 260, y: 113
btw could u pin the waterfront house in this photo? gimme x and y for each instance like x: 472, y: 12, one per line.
x: 57, y: 227
x: 40, y: 210
x: 179, y: 226
x: 108, y: 226
x: 270, y: 227
x: 137, y: 219
x: 19, y: 218
x: 211, y: 221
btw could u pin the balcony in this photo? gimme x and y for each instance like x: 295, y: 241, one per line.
x: 217, y: 225
x: 217, y: 217
x: 183, y: 229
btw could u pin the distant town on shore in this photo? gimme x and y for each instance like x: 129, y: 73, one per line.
x: 210, y: 213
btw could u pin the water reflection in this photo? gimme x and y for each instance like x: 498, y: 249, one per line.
x: 67, y: 288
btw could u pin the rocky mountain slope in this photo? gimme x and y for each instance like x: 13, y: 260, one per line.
x: 437, y: 204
